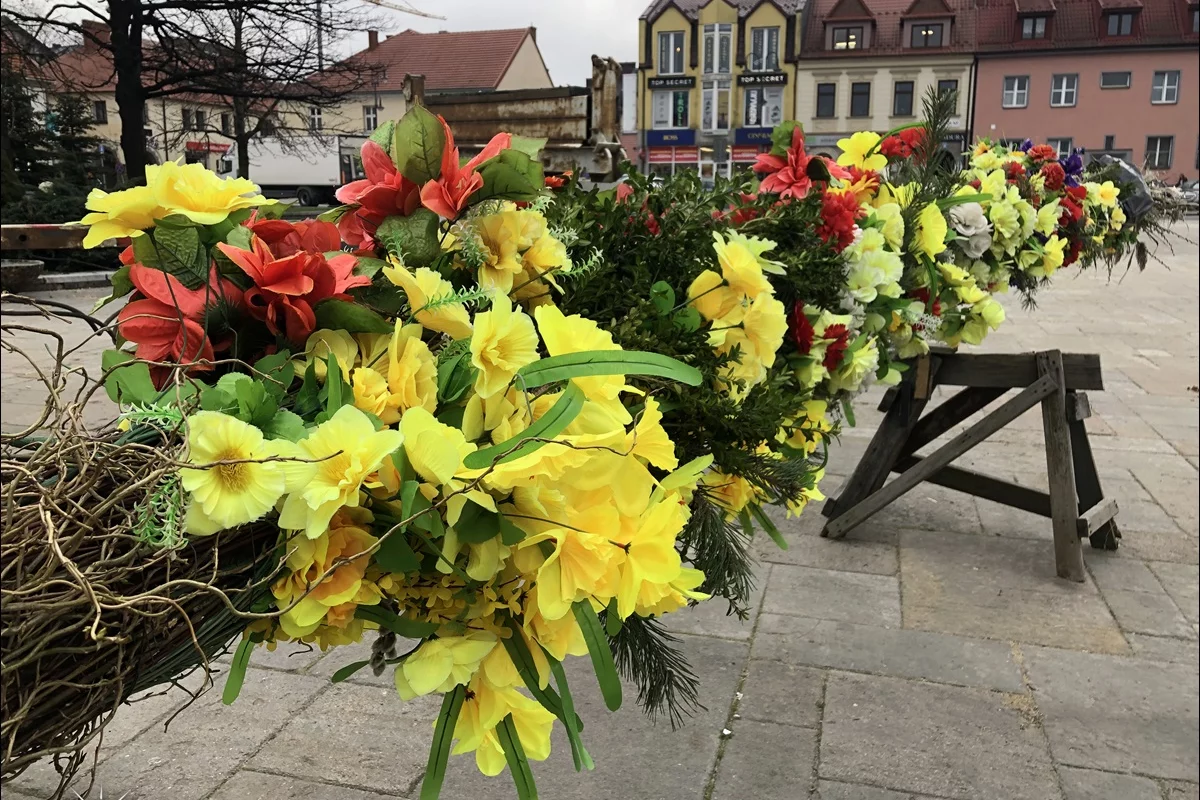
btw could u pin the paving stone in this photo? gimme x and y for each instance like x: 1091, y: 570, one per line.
x: 1012, y: 523
x: 249, y: 785
x: 942, y: 740
x: 1088, y: 784
x: 1143, y: 515
x: 1115, y: 571
x: 363, y: 736
x: 888, y: 651
x: 1182, y: 582
x: 782, y: 693
x: 836, y: 790
x: 288, y: 657
x: 766, y: 762
x: 1118, y: 714
x: 869, y: 548
x: 1165, y: 545
x: 933, y: 508
x: 828, y: 594
x: 1142, y: 612
x: 635, y: 757
x: 1161, y: 648
x: 1178, y: 790
x: 995, y: 588
x: 712, y: 618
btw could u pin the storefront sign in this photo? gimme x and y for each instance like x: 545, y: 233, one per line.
x: 754, y: 136
x: 683, y: 136
x: 660, y: 155
x: 745, y: 152
x: 762, y: 79
x: 677, y: 82
x: 691, y: 154
x: 823, y: 139
x: 206, y: 147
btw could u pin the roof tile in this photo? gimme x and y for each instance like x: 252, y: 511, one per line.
x: 1079, y: 24
x: 450, y: 61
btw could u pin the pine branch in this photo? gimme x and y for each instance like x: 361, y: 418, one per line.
x: 721, y: 550
x: 648, y: 656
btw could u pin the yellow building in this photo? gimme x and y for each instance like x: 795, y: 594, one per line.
x: 715, y: 77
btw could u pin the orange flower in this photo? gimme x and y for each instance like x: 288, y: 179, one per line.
x: 448, y: 195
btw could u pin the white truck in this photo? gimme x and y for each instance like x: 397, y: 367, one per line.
x: 309, y: 169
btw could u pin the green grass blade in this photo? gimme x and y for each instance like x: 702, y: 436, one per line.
x: 606, y: 362
x: 443, y: 736
x: 406, y: 628
x: 601, y: 653
x: 551, y: 424
x: 518, y: 764
x: 579, y: 753
x: 237, y: 672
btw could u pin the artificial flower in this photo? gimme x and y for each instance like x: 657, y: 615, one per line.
x: 234, y: 481
x: 429, y: 298
x: 860, y: 150
x: 195, y: 192
x: 128, y: 213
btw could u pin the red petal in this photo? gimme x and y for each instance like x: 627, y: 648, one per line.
x: 377, y: 163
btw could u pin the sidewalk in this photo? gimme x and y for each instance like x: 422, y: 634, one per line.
x: 932, y: 654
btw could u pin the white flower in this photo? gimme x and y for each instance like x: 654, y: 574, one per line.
x: 968, y: 219
x: 976, y: 244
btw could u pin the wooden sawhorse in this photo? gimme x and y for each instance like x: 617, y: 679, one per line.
x: 1075, y: 502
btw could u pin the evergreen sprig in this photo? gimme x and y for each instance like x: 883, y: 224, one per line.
x: 649, y: 657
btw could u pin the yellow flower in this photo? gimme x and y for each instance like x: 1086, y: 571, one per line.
x: 1116, y: 219
x: 126, y: 213
x: 1047, y: 218
x: 649, y: 442
x: 931, y: 231
x: 711, y: 297
x: 892, y: 218
x: 650, y: 554
x: 562, y: 334
x: 546, y: 257
x: 345, y: 450
x: 228, y: 495
x: 443, y: 663
x: 902, y: 196
x: 411, y: 378
x: 503, y: 341
x: 857, y: 151
x: 582, y: 564
x: 422, y: 288
x: 309, y: 560
x: 731, y: 492
x: 198, y: 194
x: 740, y: 267
x: 765, y: 325
x: 1105, y: 194
x: 324, y: 343
x: 501, y: 235
x: 485, y: 707
x: 435, y: 449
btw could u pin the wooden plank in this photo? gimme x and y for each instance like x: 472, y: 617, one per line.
x: 948, y: 414
x: 933, y: 463
x: 1014, y: 370
x: 889, y: 397
x: 1096, y: 517
x: 1087, y: 486
x: 1078, y: 406
x: 923, y: 385
x: 1064, y: 506
x: 985, y: 486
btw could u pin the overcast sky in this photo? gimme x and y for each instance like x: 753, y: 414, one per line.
x: 569, y: 32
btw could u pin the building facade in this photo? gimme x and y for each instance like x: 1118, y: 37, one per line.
x: 714, y: 78
x: 1110, y: 76
x: 868, y: 64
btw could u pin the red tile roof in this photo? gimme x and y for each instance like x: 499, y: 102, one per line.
x: 1080, y: 25
x: 691, y: 8
x: 888, y: 17
x: 450, y: 61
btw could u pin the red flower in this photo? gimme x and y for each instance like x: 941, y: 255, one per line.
x: 1072, y: 211
x: 166, y: 319
x: 448, y: 195
x: 902, y: 144
x: 286, y: 238
x: 1072, y: 252
x: 1055, y: 175
x: 286, y: 289
x: 1077, y: 193
x: 624, y: 192
x: 1042, y: 152
x: 1013, y: 170
x: 801, y: 329
x: 839, y: 213
x: 554, y: 181
x: 383, y: 193
x: 836, y: 349
x: 786, y: 176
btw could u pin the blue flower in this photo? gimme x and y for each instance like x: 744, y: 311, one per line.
x: 1026, y: 146
x: 1073, y: 166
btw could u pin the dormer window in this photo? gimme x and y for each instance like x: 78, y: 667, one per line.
x: 1120, y: 23
x: 847, y: 38
x: 927, y: 34
x: 1033, y: 28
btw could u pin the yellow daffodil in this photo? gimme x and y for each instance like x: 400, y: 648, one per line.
x: 649, y: 442
x: 1047, y: 218
x: 930, y: 235
x: 901, y: 196
x: 731, y: 492
x: 115, y: 215
x: 344, y: 450
x: 484, y: 709
x: 198, y: 194
x: 411, y: 380
x: 1116, y: 219
x: 650, y: 554
x: 656, y: 599
x: 849, y: 375
x: 436, y: 450
x: 581, y: 564
x: 740, y: 266
x: 323, y: 343
x: 547, y: 257
x: 858, y: 150
x: 765, y: 325
x: 892, y: 218
x: 425, y: 287
x: 1104, y: 194
x: 443, y: 663
x: 501, y: 235
x: 228, y: 494
x: 795, y: 507
x: 573, y: 334
x: 503, y: 341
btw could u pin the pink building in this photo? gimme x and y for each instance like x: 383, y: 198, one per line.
x: 1109, y: 76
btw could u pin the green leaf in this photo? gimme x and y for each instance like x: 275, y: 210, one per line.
x: 454, y: 377
x: 382, y: 135
x: 417, y: 145
x: 606, y: 362
x: 395, y: 554
x: 443, y: 736
x: 781, y: 137
x: 412, y: 239
x: 336, y: 391
x: 215, y: 399
x: 612, y: 619
x: 514, y: 754
x: 367, y: 266
x: 549, y: 425
x: 343, y: 315
x: 345, y: 672
x: 335, y: 213
x: 960, y: 199
x: 663, y: 297
x: 403, y: 466
x: 266, y: 211
x: 240, y: 237
x: 601, y: 653
x: 529, y: 146
x: 477, y: 524
x: 768, y: 525
x: 511, y: 175
x: 128, y: 380
x: 518, y: 651
x: 308, y: 398
x: 121, y: 286
x: 181, y: 253
x: 687, y: 319
x: 237, y: 672
x: 510, y: 534
x: 848, y: 412
x: 144, y: 251
x: 579, y: 753
x: 746, y: 522
x: 285, y: 425
x: 276, y: 373
x: 404, y: 628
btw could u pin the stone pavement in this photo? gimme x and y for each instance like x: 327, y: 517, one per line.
x: 933, y: 654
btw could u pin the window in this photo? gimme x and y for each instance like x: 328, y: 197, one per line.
x: 860, y: 99
x: 1033, y: 28
x: 670, y: 109
x: 902, y: 99
x: 1165, y: 88
x: 370, y: 118
x: 1114, y: 80
x: 926, y: 34
x: 670, y: 53
x: 99, y: 111
x: 199, y: 119
x: 227, y: 124
x: 847, y: 38
x: 1063, y: 89
x: 1158, y: 152
x: 315, y: 123
x: 1120, y: 23
x: 764, y: 107
x: 1110, y: 142
x: 1016, y: 91
x: 826, y: 100
x: 187, y: 119
x: 715, y: 98
x: 764, y: 49
x: 1063, y: 146
x: 718, y: 44
x: 949, y: 87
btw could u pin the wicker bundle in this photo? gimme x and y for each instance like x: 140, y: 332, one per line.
x: 100, y: 600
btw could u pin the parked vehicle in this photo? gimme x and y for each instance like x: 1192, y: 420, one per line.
x: 309, y: 169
